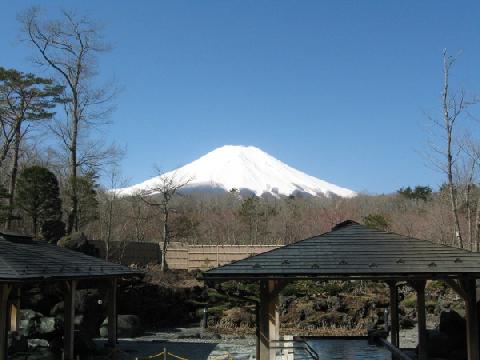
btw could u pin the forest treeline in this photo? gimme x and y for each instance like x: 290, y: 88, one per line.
x: 53, y: 160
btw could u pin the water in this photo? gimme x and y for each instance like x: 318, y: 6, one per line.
x: 345, y: 349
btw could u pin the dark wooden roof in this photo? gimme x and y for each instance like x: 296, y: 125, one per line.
x: 350, y: 251
x: 22, y: 259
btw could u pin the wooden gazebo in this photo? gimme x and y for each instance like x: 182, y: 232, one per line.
x: 351, y: 251
x: 24, y: 261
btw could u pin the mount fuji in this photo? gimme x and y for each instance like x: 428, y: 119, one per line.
x: 245, y: 168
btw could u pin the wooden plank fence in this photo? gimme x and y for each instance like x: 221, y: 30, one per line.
x: 179, y: 256
x: 190, y: 257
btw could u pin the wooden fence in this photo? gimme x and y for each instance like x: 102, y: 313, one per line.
x: 190, y: 257
x: 179, y: 256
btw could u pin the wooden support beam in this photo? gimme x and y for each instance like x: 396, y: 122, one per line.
x: 14, y: 318
x: 268, y: 319
x: 395, y: 328
x: 4, y: 292
x: 69, y: 320
x: 471, y: 315
x: 419, y: 286
x: 457, y: 287
x: 112, y: 313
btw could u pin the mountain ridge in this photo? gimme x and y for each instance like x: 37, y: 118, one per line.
x: 243, y: 168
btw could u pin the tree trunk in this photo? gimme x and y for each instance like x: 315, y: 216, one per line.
x: 109, y: 229
x: 449, y: 129
x: 163, y: 266
x: 34, y: 226
x: 477, y: 227
x: 72, y: 217
x: 469, y: 216
x: 13, y: 175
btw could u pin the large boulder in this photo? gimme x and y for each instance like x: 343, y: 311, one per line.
x: 28, y: 324
x: 77, y: 241
x: 454, y: 326
x: 438, y: 344
x: 128, y: 326
x: 47, y: 325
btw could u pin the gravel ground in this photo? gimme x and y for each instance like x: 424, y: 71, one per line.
x: 188, y: 343
x: 193, y: 344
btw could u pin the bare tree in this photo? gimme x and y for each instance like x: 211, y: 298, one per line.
x: 446, y: 155
x: 109, y: 215
x: 69, y: 47
x: 139, y: 216
x: 160, y: 196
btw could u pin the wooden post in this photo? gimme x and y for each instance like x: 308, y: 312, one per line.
x: 257, y: 326
x: 264, y: 340
x: 112, y: 313
x: 69, y: 320
x: 395, y: 328
x: 4, y: 292
x: 268, y: 322
x: 471, y: 315
x: 14, y: 316
x: 419, y: 286
x: 218, y: 257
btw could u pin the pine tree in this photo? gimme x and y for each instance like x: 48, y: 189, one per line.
x: 24, y: 98
x: 38, y: 196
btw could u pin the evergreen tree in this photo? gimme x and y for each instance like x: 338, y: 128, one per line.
x: 376, y: 221
x: 24, y: 98
x: 87, y: 202
x: 419, y: 193
x: 38, y: 195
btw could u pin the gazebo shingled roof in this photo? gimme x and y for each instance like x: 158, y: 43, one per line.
x: 353, y: 251
x: 350, y: 251
x: 22, y: 259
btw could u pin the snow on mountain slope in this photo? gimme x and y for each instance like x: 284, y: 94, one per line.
x: 244, y: 168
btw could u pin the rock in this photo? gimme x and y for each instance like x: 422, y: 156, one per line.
x: 78, y: 242
x: 57, y: 309
x: 42, y: 299
x: 47, y: 325
x: 28, y: 314
x: 454, y: 326
x: 104, y: 329
x: 302, y: 315
x: 438, y: 344
x: 128, y: 326
x: 406, y: 322
x: 34, y: 343
x: 236, y: 317
x: 320, y: 305
x: 28, y: 322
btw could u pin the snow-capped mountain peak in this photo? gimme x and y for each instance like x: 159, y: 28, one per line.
x: 243, y: 168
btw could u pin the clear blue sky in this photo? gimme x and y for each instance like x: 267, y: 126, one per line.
x: 338, y: 89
